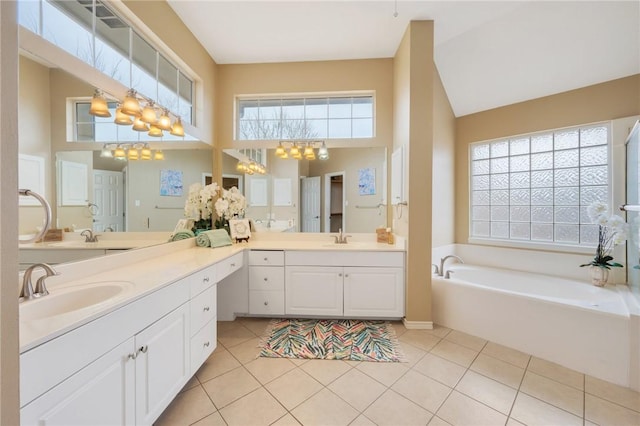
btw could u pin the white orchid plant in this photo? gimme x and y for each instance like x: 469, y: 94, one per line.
x: 612, y: 231
x: 203, y: 201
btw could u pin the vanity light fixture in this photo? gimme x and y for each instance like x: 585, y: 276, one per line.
x: 155, y: 131
x: 323, y: 152
x: 130, y: 105
x: 122, y: 118
x: 99, y: 106
x: 177, y: 129
x: 139, y: 125
x: 250, y: 168
x: 106, y: 152
x: 149, y: 113
x: 164, y: 122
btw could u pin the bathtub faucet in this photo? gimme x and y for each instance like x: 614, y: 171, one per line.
x: 440, y: 271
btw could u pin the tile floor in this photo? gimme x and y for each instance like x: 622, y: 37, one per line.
x: 451, y: 378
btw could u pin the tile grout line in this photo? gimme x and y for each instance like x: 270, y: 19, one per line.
x: 518, y: 390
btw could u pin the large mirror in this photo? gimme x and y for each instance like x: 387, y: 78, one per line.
x: 346, y: 192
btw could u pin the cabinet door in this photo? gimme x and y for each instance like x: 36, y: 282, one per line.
x: 162, y: 363
x: 313, y: 290
x: 101, y: 393
x: 373, y: 292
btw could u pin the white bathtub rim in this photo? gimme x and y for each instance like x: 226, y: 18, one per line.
x: 558, y: 301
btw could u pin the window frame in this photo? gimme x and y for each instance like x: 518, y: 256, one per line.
x: 539, y: 244
x: 305, y: 97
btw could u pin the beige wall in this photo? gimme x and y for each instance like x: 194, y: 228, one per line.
x: 34, y: 131
x: 349, y: 161
x: 414, y: 74
x: 9, y: 360
x: 605, y: 101
x: 444, y: 123
x: 144, y: 186
x: 307, y: 77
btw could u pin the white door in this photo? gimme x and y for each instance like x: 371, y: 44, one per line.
x: 373, y: 292
x: 310, y: 205
x: 108, y: 201
x: 103, y: 391
x: 313, y: 290
x: 162, y: 364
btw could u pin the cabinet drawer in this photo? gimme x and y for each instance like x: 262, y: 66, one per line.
x: 266, y: 278
x: 266, y: 257
x: 229, y: 265
x: 264, y: 302
x: 203, y: 309
x: 202, y: 280
x: 203, y: 344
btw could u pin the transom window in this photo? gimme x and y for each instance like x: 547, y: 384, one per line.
x: 537, y: 187
x: 93, y: 32
x: 336, y: 117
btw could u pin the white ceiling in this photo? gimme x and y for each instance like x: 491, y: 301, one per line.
x: 488, y: 53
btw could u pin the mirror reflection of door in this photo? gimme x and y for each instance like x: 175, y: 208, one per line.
x: 310, y: 204
x: 108, y: 201
x: 334, y: 218
x: 229, y: 181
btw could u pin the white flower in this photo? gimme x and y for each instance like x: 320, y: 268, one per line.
x: 598, y: 212
x: 222, y: 207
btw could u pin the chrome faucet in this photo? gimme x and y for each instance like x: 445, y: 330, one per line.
x: 340, y: 238
x: 89, y: 236
x: 27, y: 292
x: 440, y: 271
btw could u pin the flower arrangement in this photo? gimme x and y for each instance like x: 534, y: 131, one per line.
x: 612, y: 231
x: 230, y: 204
x: 203, y: 201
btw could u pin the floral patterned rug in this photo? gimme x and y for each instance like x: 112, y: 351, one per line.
x: 349, y: 340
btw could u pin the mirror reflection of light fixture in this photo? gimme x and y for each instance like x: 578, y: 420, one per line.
x: 106, y: 152
x: 122, y: 118
x: 280, y: 152
x: 294, y: 152
x: 155, y: 131
x: 132, y: 154
x: 159, y: 155
x: 177, y: 129
x: 130, y: 105
x: 139, y: 125
x: 145, y: 152
x: 119, y: 153
x: 323, y: 152
x: 99, y: 106
x: 164, y: 122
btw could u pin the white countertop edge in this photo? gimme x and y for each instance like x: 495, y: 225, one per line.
x: 152, y: 268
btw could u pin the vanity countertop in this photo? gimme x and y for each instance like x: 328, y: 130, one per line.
x: 106, y: 241
x: 149, y: 269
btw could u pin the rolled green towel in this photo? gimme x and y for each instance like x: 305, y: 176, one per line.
x: 202, y: 239
x: 182, y: 235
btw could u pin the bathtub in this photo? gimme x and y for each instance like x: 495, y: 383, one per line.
x: 571, y: 323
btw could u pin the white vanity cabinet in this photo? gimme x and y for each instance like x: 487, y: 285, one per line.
x: 203, y: 305
x: 266, y: 282
x: 354, y: 284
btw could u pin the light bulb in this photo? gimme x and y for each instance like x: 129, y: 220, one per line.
x: 145, y: 152
x: 122, y: 118
x: 155, y: 131
x: 139, y: 125
x: 159, y: 155
x: 149, y: 114
x: 106, y: 152
x: 164, y: 122
x: 99, y: 106
x: 280, y: 152
x: 130, y: 105
x: 120, y: 153
x: 177, y: 129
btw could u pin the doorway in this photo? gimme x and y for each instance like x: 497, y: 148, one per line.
x: 107, y: 208
x: 334, y: 202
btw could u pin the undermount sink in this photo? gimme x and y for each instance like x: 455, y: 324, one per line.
x: 72, y: 299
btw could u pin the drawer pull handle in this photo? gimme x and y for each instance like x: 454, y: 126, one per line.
x: 266, y: 303
x: 346, y: 275
x: 266, y: 259
x: 206, y: 309
x: 233, y: 265
x: 340, y: 274
x: 133, y: 356
x: 144, y: 349
x: 206, y: 344
x: 205, y: 279
x: 266, y: 279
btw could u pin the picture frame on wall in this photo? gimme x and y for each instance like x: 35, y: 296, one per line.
x: 240, y: 229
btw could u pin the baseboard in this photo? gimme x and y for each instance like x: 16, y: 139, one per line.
x: 417, y: 325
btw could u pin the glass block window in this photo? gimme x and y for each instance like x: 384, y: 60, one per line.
x: 333, y: 117
x: 537, y: 187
